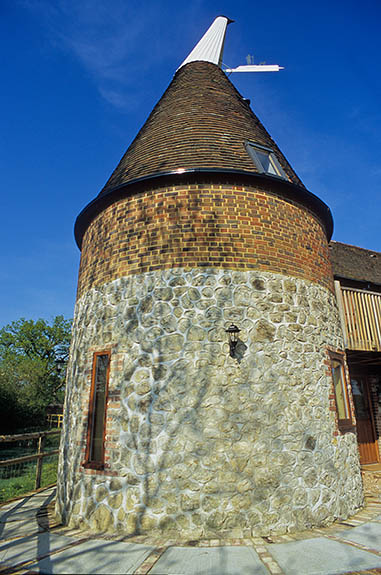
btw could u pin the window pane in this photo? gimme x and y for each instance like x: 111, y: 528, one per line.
x: 360, y: 400
x: 338, y: 381
x: 265, y: 160
x: 99, y: 404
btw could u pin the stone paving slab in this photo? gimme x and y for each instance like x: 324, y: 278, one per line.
x: 31, y: 547
x: 13, y: 529
x: 368, y: 535
x: 20, y: 517
x: 209, y: 561
x: 30, y: 501
x: 18, y: 505
x: 321, y: 556
x: 96, y: 557
x: 309, y: 553
x: 19, y: 514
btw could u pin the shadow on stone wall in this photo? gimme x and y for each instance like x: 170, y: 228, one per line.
x: 204, y: 442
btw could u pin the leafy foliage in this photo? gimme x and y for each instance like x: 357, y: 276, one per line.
x: 33, y: 356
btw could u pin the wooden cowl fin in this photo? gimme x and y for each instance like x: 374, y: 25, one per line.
x: 211, y: 46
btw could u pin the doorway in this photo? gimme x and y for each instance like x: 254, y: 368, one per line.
x: 366, y: 429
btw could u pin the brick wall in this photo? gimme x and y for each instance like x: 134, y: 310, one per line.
x: 218, y: 225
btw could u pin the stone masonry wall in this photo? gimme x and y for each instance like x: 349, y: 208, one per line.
x: 198, y: 442
x: 211, y: 225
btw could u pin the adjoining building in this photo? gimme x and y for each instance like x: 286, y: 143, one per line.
x: 207, y: 386
x: 357, y: 275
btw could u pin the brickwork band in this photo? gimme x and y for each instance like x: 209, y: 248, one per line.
x: 212, y: 225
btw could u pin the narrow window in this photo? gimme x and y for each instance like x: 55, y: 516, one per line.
x: 341, y: 392
x: 97, y: 410
x: 265, y: 160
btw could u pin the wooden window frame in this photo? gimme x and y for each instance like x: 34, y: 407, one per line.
x: 88, y: 463
x: 347, y: 424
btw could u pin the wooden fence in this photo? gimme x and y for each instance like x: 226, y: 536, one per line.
x: 39, y: 456
x: 361, y: 318
x: 55, y: 420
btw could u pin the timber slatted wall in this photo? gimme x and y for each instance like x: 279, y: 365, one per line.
x: 362, y: 314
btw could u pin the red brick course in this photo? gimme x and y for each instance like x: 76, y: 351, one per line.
x: 204, y: 225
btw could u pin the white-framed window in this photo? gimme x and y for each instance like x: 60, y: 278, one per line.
x: 265, y: 160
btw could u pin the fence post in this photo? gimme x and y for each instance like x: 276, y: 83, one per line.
x: 41, y: 441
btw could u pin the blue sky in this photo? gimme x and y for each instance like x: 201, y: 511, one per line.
x: 78, y: 80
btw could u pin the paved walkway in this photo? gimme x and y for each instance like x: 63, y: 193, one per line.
x: 32, y: 543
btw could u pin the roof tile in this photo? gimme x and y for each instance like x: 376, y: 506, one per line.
x: 354, y: 263
x: 201, y: 122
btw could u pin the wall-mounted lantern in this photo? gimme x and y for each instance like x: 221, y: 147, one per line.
x: 232, y: 332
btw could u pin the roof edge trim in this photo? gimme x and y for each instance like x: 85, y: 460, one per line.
x: 288, y: 189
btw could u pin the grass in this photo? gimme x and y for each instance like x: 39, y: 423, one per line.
x: 27, y: 447
x: 20, y: 479
x: 15, y: 486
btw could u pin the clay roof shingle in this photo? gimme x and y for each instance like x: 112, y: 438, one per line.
x: 354, y: 263
x: 201, y: 122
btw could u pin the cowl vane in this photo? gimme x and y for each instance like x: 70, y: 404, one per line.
x: 211, y: 46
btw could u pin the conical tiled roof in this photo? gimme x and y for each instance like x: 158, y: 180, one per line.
x: 200, y: 123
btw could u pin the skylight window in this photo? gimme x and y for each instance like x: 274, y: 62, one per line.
x: 265, y: 160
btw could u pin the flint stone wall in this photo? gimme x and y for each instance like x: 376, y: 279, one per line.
x: 198, y: 442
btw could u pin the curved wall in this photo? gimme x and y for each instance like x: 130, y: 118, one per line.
x: 197, y: 442
x: 219, y: 225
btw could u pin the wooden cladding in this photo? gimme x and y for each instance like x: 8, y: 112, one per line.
x: 361, y: 318
x: 365, y: 417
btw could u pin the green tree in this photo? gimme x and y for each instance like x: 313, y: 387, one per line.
x: 33, y: 356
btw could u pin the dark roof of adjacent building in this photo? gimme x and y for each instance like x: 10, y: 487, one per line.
x: 354, y: 263
x: 201, y: 122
